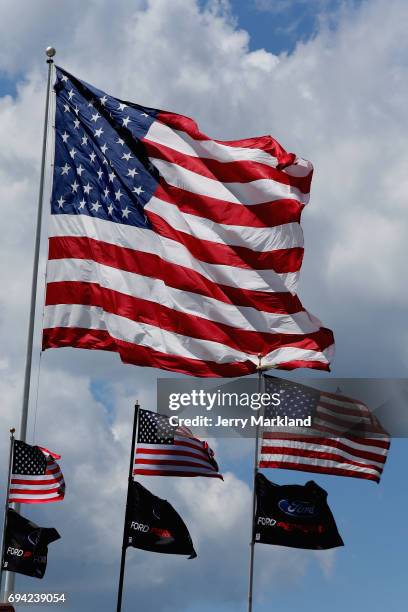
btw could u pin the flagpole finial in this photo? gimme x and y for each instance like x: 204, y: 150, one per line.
x: 13, y: 431
x: 50, y: 52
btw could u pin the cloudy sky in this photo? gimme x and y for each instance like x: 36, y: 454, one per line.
x: 329, y: 80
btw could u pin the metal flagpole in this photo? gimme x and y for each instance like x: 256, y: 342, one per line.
x: 50, y: 52
x: 130, y: 477
x: 6, y: 506
x: 252, y: 542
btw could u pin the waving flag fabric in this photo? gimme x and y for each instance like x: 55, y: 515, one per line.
x: 345, y: 439
x: 164, y: 450
x: 175, y: 250
x: 36, y: 477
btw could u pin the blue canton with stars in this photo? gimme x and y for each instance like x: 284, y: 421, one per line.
x: 100, y: 167
x: 297, y: 401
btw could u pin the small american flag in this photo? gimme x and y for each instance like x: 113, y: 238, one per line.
x: 173, y: 249
x: 345, y: 439
x: 164, y: 450
x: 36, y: 477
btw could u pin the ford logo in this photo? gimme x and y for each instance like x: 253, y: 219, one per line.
x: 297, y: 507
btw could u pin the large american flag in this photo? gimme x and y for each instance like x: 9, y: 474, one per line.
x: 36, y: 476
x: 164, y: 450
x: 345, y: 439
x: 175, y: 250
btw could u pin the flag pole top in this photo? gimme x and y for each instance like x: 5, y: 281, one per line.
x: 13, y: 431
x: 50, y: 52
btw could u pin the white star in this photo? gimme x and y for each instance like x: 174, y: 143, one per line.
x: 120, y: 141
x: 61, y: 202
x: 118, y: 194
x: 110, y: 209
x: 87, y: 188
x: 64, y: 78
x: 111, y: 176
x: 127, y: 156
x: 95, y: 206
x: 103, y: 100
x: 126, y: 121
x: 144, y: 114
x: 138, y: 190
x: 82, y: 204
x: 92, y: 156
x: 105, y: 161
x: 71, y: 94
x: 100, y: 174
x: 72, y: 153
x: 91, y: 103
x: 66, y: 108
x: 122, y: 106
x: 104, y: 148
x: 84, y: 140
x: 98, y: 132
x: 75, y: 186
x: 106, y: 192
x: 65, y: 169
x: 95, y: 117
x: 64, y: 137
x: 80, y: 169
x: 132, y: 172
x: 77, y: 123
x: 125, y: 212
x: 76, y: 110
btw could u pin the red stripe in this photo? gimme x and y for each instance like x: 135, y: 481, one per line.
x: 36, y: 492
x: 268, y: 214
x: 40, y: 481
x: 174, y: 462
x: 172, y: 275
x: 287, y: 465
x: 318, y: 454
x: 357, y: 412
x: 309, y: 454
x: 242, y: 171
x: 152, y: 313
x: 149, y: 472
x: 279, y: 260
x: 140, y: 355
x: 265, y: 143
x: 176, y: 453
x: 269, y: 435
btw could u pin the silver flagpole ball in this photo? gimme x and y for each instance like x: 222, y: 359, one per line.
x: 50, y: 51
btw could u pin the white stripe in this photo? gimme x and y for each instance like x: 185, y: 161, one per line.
x: 344, y: 404
x: 18, y: 496
x: 260, y: 239
x: 180, y: 141
x: 268, y: 445
x: 320, y: 463
x: 199, y: 451
x: 293, y: 353
x: 129, y: 283
x: 173, y: 468
x: 252, y: 192
x: 34, y: 478
x: 35, y: 488
x: 147, y: 241
x: 141, y: 457
x: 346, y: 418
x: 120, y: 328
x: 352, y: 444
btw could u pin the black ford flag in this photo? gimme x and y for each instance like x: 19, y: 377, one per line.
x: 294, y: 515
x: 153, y: 524
x: 26, y: 545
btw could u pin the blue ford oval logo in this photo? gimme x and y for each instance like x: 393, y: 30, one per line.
x: 297, y: 507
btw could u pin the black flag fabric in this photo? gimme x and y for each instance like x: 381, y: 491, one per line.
x: 294, y: 515
x: 26, y: 545
x: 153, y: 524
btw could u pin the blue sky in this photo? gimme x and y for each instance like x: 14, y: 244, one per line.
x: 330, y: 84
